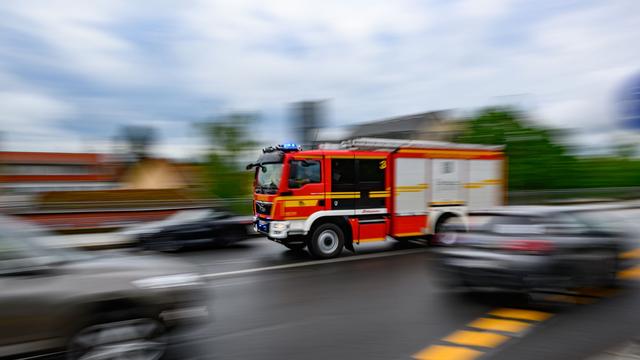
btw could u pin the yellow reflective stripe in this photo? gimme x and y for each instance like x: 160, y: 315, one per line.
x: 373, y: 196
x: 520, y: 314
x: 418, y: 186
x: 473, y: 185
x: 476, y: 338
x: 441, y: 352
x: 409, y: 234
x: 459, y: 202
x: 511, y: 326
x: 300, y: 203
x: 297, y: 218
x: 343, y: 196
x: 372, y: 239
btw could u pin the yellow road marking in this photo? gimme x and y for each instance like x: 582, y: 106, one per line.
x: 631, y: 273
x: 440, y: 352
x: 631, y: 254
x: 521, y: 314
x: 499, y: 325
x: 476, y: 338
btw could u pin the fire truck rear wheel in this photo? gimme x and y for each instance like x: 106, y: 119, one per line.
x: 327, y: 241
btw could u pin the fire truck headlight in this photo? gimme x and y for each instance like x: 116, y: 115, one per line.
x: 279, y: 226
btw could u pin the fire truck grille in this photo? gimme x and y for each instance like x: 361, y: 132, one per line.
x: 263, y: 208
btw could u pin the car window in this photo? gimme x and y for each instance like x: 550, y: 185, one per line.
x: 506, y: 224
x: 563, y: 224
x: 23, y: 244
x: 302, y: 172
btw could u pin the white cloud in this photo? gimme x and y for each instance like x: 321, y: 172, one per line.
x: 371, y: 59
x: 78, y: 38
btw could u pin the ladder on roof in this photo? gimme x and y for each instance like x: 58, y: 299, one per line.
x: 391, y: 144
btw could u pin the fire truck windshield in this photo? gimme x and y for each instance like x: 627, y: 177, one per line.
x: 268, y: 178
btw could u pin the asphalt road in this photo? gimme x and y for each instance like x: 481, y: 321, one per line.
x: 385, y: 302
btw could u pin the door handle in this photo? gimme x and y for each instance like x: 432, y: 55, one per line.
x: 321, y: 202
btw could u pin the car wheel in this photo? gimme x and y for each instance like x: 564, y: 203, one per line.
x: 295, y: 246
x: 441, y: 236
x: 139, y: 339
x: 327, y: 241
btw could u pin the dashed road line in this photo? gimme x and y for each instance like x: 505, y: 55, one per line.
x: 442, y: 352
x: 485, y: 333
x: 509, y: 326
x: 476, y: 338
x: 630, y: 273
x: 500, y: 325
x: 631, y: 254
x: 531, y: 315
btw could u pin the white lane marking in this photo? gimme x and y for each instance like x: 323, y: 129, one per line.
x: 315, y: 262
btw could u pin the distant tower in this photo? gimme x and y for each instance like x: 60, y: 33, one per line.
x: 629, y: 115
x: 307, y: 117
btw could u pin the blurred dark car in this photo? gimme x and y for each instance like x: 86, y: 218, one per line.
x: 528, y: 248
x: 84, y: 306
x: 190, y: 228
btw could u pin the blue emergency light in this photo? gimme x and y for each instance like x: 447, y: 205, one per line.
x: 289, y: 147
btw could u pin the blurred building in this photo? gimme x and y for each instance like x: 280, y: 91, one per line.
x: 85, y: 191
x: 152, y: 173
x: 434, y: 125
x: 32, y: 172
x: 307, y: 118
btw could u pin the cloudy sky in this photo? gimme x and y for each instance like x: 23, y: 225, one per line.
x: 73, y: 72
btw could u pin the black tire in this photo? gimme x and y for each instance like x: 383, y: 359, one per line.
x: 140, y: 338
x: 326, y: 241
x: 295, y: 246
x: 440, y: 230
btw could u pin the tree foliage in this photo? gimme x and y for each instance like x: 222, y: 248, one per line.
x: 537, y: 159
x: 229, y: 138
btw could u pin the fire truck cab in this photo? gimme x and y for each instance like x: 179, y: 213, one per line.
x: 367, y: 190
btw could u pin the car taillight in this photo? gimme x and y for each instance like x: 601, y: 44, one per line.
x: 533, y: 246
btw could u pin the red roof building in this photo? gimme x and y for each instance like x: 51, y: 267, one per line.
x: 28, y: 172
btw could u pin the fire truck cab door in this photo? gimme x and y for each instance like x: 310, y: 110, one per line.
x: 343, y: 192
x: 307, y: 188
x: 371, y: 184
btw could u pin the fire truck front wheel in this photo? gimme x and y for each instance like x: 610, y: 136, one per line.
x: 326, y: 241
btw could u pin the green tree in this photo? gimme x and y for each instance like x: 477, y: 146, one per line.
x: 535, y: 159
x: 229, y: 140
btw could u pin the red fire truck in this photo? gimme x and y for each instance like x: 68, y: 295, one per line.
x: 366, y: 190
